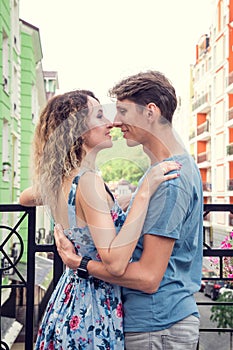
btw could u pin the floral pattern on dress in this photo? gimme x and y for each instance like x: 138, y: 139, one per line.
x: 83, y: 314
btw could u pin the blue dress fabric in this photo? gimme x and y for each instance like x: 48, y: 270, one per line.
x: 83, y: 313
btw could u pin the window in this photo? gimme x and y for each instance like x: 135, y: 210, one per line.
x: 15, y: 165
x: 5, y: 151
x: 15, y: 91
x: 35, y: 107
x: 5, y: 62
x: 15, y: 24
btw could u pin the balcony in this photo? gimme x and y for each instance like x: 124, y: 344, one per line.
x: 203, y: 160
x: 26, y: 289
x: 202, y: 105
x: 230, y: 149
x: 207, y: 186
x: 203, y: 131
x: 229, y: 88
x: 230, y: 185
x: 230, y: 114
x: 204, y: 127
x: 192, y: 134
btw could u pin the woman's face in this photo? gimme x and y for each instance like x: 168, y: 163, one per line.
x: 98, y: 135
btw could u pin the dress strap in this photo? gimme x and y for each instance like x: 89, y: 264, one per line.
x: 76, y: 180
x: 82, y: 172
x: 109, y: 192
x: 72, y: 195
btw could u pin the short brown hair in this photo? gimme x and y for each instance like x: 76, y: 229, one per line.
x: 147, y: 87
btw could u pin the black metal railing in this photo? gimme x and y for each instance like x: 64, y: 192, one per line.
x: 28, y: 214
x: 220, y: 253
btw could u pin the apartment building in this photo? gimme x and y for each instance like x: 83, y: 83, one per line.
x: 211, y: 119
x: 24, y: 91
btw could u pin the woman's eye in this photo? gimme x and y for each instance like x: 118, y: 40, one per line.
x: 99, y: 116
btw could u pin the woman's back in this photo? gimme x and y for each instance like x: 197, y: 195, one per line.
x: 83, y: 313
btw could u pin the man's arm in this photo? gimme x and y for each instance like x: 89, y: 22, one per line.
x: 144, y: 275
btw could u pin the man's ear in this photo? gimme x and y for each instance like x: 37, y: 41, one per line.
x: 151, y: 112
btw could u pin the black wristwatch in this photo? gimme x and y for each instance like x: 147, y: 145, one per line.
x: 82, y: 269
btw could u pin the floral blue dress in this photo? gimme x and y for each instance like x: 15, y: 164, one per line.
x: 83, y: 313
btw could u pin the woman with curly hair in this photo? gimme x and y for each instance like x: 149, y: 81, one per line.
x: 84, y: 312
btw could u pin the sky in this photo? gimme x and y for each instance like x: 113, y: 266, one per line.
x: 94, y: 44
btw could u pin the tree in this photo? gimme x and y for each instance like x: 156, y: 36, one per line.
x: 116, y: 134
x: 122, y: 161
x: 118, y: 168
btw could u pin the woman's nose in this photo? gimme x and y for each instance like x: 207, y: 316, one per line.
x: 109, y: 124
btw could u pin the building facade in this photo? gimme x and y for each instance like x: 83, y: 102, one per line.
x: 24, y: 91
x: 211, y: 120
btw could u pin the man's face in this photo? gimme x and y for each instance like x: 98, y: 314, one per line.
x: 130, y: 118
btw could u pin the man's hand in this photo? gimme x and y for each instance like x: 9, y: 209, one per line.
x: 124, y: 201
x: 66, y: 249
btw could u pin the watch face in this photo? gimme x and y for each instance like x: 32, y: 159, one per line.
x: 82, y: 273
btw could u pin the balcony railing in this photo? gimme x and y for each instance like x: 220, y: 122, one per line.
x: 230, y: 149
x: 203, y: 157
x: 230, y: 114
x: 204, y: 99
x: 28, y: 215
x: 24, y: 277
x: 207, y: 186
x: 230, y: 185
x: 230, y: 78
x: 204, y: 127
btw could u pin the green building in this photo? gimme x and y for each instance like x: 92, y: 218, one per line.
x: 24, y: 91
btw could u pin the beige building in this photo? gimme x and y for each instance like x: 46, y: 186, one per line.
x: 211, y: 117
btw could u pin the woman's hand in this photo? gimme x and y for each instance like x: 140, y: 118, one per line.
x: 160, y: 173
x: 66, y: 249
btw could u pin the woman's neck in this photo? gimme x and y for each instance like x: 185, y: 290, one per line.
x: 89, y: 161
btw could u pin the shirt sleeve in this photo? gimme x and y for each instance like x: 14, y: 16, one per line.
x: 167, y: 211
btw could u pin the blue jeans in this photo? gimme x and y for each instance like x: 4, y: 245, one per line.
x: 183, y: 335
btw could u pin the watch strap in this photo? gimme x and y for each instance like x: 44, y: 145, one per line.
x: 82, y: 269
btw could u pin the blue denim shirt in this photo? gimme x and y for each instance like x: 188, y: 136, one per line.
x: 176, y: 211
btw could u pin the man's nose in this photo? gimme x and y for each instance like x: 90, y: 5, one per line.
x: 117, y: 120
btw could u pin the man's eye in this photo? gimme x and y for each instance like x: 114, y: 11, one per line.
x: 122, y: 111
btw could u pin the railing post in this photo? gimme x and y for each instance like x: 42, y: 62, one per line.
x: 31, y: 250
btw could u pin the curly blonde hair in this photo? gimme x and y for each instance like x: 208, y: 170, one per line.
x: 57, y: 145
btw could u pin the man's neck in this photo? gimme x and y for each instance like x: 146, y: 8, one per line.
x: 162, y: 147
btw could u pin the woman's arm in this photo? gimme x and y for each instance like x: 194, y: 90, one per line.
x: 29, y: 199
x: 145, y: 274
x: 114, y: 249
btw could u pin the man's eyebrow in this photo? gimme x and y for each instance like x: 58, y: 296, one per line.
x: 121, y: 107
